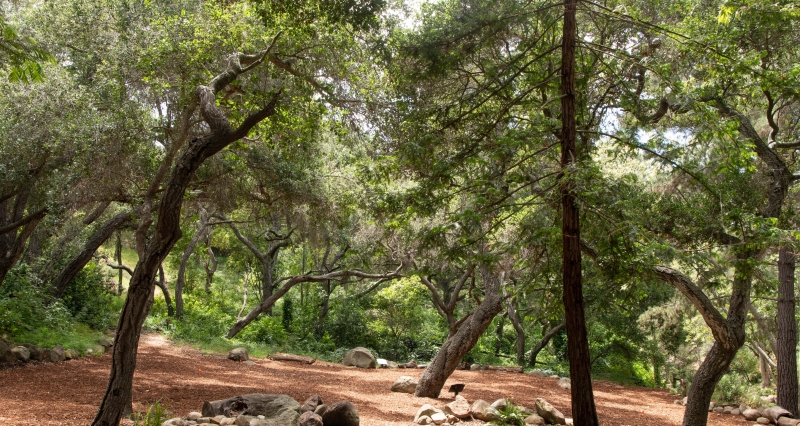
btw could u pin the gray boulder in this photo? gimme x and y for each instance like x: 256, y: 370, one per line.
x: 37, y: 353
x: 238, y: 354
x: 565, y: 383
x: 342, y: 413
x: 538, y: 373
x: 7, y: 356
x: 51, y: 355
x: 534, y: 419
x: 22, y: 353
x: 59, y: 350
x: 359, y: 357
x: 481, y: 410
x: 549, y: 413
x: 751, y: 414
x: 404, y: 384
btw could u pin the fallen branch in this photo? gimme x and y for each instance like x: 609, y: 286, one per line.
x: 290, y: 357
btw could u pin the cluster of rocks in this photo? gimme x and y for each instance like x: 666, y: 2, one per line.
x: 26, y: 352
x: 363, y: 358
x: 460, y: 409
x: 762, y: 416
x: 260, y: 409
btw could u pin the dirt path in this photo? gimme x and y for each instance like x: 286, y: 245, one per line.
x: 182, y: 378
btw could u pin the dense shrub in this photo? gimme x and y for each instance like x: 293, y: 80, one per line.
x: 89, y: 299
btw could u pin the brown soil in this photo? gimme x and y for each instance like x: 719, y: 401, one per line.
x: 182, y: 378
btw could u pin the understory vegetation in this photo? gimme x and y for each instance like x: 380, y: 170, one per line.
x: 595, y: 190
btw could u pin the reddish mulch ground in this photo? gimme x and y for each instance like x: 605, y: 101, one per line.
x: 182, y: 378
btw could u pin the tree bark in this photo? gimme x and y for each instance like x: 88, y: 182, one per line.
x: 16, y: 228
x: 463, y: 340
x: 293, y: 281
x: 787, y: 333
x: 519, y: 344
x: 162, y: 284
x: 74, y: 267
x: 542, y: 343
x: 583, y: 408
x: 137, y: 304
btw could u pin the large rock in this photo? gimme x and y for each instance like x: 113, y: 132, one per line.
x: 22, y: 353
x: 278, y: 410
x: 342, y: 413
x: 751, y: 414
x: 59, y: 350
x: 51, y: 355
x: 564, y: 383
x: 71, y: 354
x: 458, y: 408
x: 404, y: 384
x: 549, y: 413
x: 359, y: 357
x: 37, y: 353
x: 6, y: 354
x: 310, y: 419
x: 238, y: 354
x: 481, y: 410
x: 538, y: 373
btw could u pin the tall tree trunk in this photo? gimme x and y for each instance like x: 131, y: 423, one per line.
x: 210, y: 265
x: 118, y: 258
x: 766, y: 373
x: 580, y: 373
x: 519, y: 344
x: 137, y: 304
x: 787, y: 333
x: 162, y: 284
x: 15, y: 230
x: 459, y: 344
x: 74, y: 267
x: 542, y: 343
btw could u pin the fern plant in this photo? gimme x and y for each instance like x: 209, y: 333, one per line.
x: 156, y: 414
x: 510, y: 414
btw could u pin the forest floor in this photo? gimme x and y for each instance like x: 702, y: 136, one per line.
x: 182, y: 378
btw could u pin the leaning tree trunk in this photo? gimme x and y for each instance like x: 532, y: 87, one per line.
x: 580, y: 372
x: 542, y: 343
x: 460, y: 343
x: 787, y: 333
x: 74, y: 267
x: 728, y: 332
x: 167, y: 232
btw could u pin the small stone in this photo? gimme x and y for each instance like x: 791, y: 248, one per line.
x: 762, y: 421
x: 554, y: 376
x: 534, y: 419
x: 194, y: 415
x: 71, y: 354
x: 736, y: 412
x: 248, y: 362
x: 321, y: 409
x: 204, y: 420
x: 538, y: 373
x: 424, y: 420
x: 719, y: 409
x: 459, y: 408
x: 308, y: 418
x: 227, y: 421
x: 564, y: 383
x: 438, y: 418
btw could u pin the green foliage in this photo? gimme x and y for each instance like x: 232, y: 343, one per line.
x: 155, y: 415
x: 22, y: 55
x: 89, y: 299
x: 25, y: 306
x: 510, y: 414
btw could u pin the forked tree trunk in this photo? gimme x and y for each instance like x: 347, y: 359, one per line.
x: 162, y: 284
x: 519, y: 344
x: 74, y: 267
x: 137, y: 305
x: 583, y: 408
x: 787, y: 333
x: 459, y: 344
